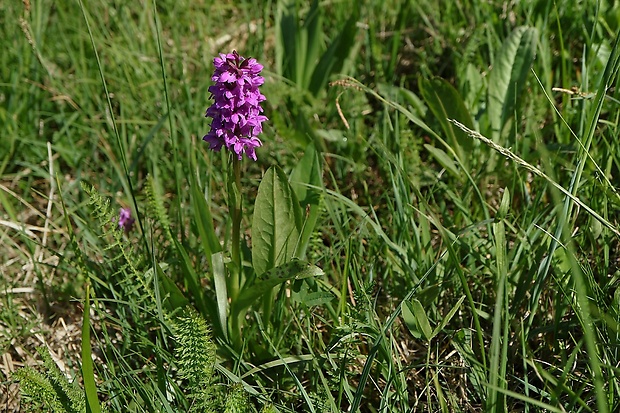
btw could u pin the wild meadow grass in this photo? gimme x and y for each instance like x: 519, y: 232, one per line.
x: 431, y: 223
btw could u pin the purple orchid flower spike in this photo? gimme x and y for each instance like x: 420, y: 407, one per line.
x: 236, y: 112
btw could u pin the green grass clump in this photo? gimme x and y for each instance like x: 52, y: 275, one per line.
x: 431, y: 225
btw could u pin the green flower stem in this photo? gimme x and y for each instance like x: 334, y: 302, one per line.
x: 235, y: 204
x: 236, y: 267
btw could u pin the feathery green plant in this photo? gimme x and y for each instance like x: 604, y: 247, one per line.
x: 49, y: 388
x: 195, y: 357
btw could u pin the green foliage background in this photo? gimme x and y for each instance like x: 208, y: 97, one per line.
x: 448, y: 266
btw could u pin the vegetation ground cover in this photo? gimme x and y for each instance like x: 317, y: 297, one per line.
x: 431, y: 223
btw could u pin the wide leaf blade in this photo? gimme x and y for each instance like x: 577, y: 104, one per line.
x: 508, y: 76
x: 293, y: 270
x: 334, y: 57
x: 276, y: 223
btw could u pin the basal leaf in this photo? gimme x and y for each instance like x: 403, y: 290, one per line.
x: 287, y: 39
x: 221, y: 293
x: 276, y: 224
x: 293, y: 270
x: 318, y: 298
x: 410, y: 320
x: 416, y: 320
x: 333, y: 59
x: 508, y: 76
x: 421, y: 319
x: 313, y: 30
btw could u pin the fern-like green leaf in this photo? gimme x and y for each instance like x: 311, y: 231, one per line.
x: 49, y: 390
x: 237, y: 400
x: 129, y: 261
x: 195, y: 354
x: 156, y: 203
x: 69, y: 393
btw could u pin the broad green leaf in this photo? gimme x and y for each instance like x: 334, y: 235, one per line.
x: 472, y: 88
x: 410, y: 320
x: 307, y: 230
x: 293, y: 270
x: 298, y: 41
x: 307, y: 294
x: 444, y: 160
x: 276, y: 224
x: 313, y: 30
x: 416, y: 320
x: 508, y: 76
x: 446, y: 103
x: 421, y: 318
x: 338, y: 51
x: 211, y: 248
x: 287, y: 39
x: 331, y: 135
x: 318, y: 298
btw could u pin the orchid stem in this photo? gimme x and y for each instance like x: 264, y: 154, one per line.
x: 235, y: 275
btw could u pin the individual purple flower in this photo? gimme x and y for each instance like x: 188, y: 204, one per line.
x: 236, y: 111
x: 125, y: 220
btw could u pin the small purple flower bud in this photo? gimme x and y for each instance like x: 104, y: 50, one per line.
x: 125, y: 220
x: 236, y: 111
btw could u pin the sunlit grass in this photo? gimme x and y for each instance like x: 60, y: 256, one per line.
x: 455, y: 167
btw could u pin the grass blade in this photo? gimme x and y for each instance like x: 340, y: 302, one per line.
x: 446, y: 103
x: 499, y: 340
x: 88, y: 372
